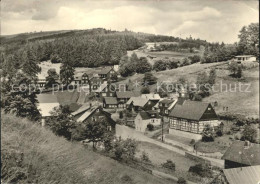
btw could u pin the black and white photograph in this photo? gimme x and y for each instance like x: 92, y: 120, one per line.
x: 129, y: 92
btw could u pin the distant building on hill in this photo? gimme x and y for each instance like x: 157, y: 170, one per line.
x: 244, y: 58
x: 242, y: 154
x: 46, y: 104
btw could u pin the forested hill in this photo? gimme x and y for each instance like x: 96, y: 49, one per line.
x: 81, y: 48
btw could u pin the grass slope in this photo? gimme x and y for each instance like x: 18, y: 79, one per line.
x: 51, y: 159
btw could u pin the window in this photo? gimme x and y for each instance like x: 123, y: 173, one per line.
x: 166, y: 111
x: 93, y: 118
x: 111, y: 94
x: 104, y: 94
x: 109, y: 128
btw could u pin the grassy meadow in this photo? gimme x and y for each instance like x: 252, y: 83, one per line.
x: 31, y: 153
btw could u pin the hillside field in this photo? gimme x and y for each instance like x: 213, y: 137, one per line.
x: 238, y: 102
x: 51, y: 159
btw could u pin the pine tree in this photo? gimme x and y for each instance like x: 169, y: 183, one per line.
x: 66, y: 73
x: 30, y: 66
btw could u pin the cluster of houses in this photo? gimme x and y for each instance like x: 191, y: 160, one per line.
x: 186, y: 118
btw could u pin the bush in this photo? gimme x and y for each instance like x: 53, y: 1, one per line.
x: 124, y: 149
x: 197, y: 97
x: 145, y: 157
x: 149, y: 78
x: 126, y: 179
x: 145, y: 90
x: 202, y: 170
x: 150, y: 127
x: 249, y: 134
x: 207, y: 134
x: 121, y: 114
x: 181, y: 181
x: 160, y: 65
x: 169, y: 165
x: 172, y: 64
x: 219, y: 132
x: 192, y: 142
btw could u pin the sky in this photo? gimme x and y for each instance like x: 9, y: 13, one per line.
x: 211, y: 20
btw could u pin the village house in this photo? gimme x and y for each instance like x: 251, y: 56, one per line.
x: 77, y: 113
x: 81, y: 79
x: 137, y: 104
x: 152, y: 97
x: 242, y: 154
x: 46, y: 104
x: 106, y: 73
x: 245, y: 175
x: 105, y: 90
x: 244, y: 58
x: 110, y: 102
x: 95, y: 113
x: 144, y: 118
x: 166, y: 105
x: 124, y: 96
x: 190, y: 118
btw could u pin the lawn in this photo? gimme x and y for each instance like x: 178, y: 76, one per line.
x: 159, y: 155
x: 51, y: 159
x: 220, y: 144
x: 245, y: 102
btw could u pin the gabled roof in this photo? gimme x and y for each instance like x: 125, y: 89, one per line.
x: 101, y: 88
x: 81, y: 109
x: 166, y: 101
x: 110, y: 100
x: 151, y: 96
x: 105, y: 71
x: 248, y: 175
x: 126, y: 94
x: 137, y: 101
x: 148, y: 114
x: 237, y: 152
x: 87, y: 114
x: 191, y: 110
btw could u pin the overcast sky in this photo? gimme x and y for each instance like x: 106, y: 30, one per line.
x: 213, y: 20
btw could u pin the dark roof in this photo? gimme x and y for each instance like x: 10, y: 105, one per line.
x: 191, y: 110
x: 148, y: 115
x: 126, y: 94
x: 81, y: 109
x: 110, y: 100
x: 166, y: 101
x: 248, y: 175
x: 239, y: 153
x: 105, y: 70
x: 180, y: 100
